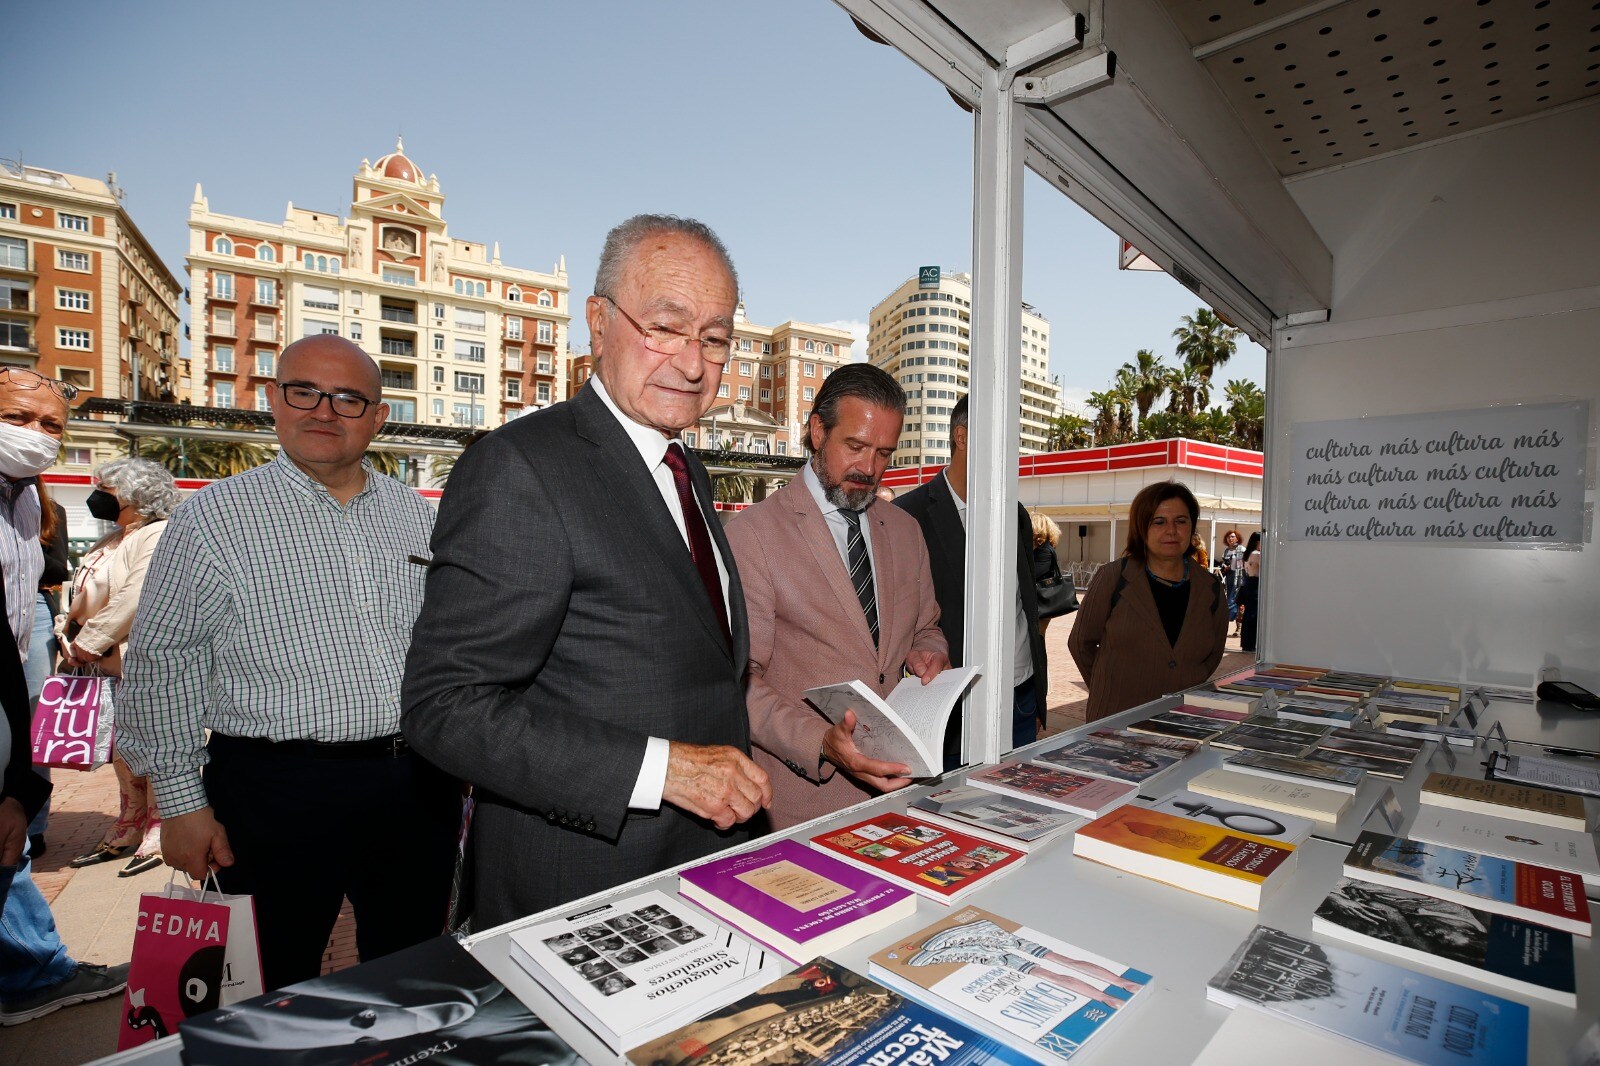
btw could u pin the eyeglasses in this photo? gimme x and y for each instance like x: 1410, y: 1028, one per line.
x: 23, y: 378
x: 344, y: 404
x: 665, y: 341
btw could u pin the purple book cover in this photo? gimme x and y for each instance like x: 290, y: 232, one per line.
x: 794, y: 890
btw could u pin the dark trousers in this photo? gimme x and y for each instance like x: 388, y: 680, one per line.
x: 307, y: 831
x: 1248, y: 603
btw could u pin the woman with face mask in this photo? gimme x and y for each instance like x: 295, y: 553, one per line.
x: 137, y: 495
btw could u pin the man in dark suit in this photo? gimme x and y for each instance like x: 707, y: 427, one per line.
x: 940, y: 508
x: 582, y: 644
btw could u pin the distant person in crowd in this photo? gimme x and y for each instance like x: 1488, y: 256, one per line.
x: 1201, y: 556
x: 276, y: 613
x: 1250, y: 595
x: 940, y: 508
x: 837, y: 587
x: 1046, y: 535
x: 138, y: 496
x: 597, y: 708
x: 42, y: 647
x: 1154, y: 621
x: 1232, y: 571
x: 37, y: 976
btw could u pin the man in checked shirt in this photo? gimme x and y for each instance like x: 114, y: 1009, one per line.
x: 277, y: 612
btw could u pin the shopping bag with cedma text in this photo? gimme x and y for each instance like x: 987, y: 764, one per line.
x: 74, y: 722
x: 241, y: 969
x: 179, y: 952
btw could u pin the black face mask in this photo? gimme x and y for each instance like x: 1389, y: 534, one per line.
x: 104, y: 506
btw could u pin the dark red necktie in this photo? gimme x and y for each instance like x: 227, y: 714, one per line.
x: 694, y: 523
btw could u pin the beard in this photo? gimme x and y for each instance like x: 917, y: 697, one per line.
x: 853, y: 493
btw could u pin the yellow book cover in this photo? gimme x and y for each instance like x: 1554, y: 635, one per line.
x: 1207, y: 847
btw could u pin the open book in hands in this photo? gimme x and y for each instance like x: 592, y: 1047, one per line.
x: 909, y: 726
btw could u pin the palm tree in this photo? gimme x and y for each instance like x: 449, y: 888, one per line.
x: 1125, y: 389
x: 1184, y: 384
x: 1247, y: 407
x: 731, y: 488
x: 1067, y: 431
x: 1214, y: 427
x: 1105, y: 416
x: 204, y: 457
x: 1206, y: 343
x: 385, y: 462
x: 1149, y: 379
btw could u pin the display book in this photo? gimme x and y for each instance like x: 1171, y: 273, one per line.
x: 1037, y: 994
x: 1412, y: 1015
x: 641, y: 965
x: 1180, y: 722
x: 1210, y: 860
x: 941, y: 864
x: 1064, y: 790
x: 1559, y: 849
x: 1520, y: 890
x: 1505, y: 799
x: 1007, y: 819
x: 1289, y: 796
x: 1113, y: 760
x: 1234, y: 814
x: 823, y: 1013
x: 431, y: 1002
x: 1285, y: 768
x: 1509, y: 954
x: 793, y: 899
x: 907, y: 727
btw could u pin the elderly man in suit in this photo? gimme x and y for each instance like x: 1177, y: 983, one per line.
x: 580, y: 653
x: 837, y: 589
x: 940, y: 508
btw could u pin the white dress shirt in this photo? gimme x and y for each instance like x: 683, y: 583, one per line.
x: 837, y: 523
x: 1022, y: 661
x: 652, y: 445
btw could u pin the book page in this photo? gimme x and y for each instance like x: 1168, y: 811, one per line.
x: 926, y: 708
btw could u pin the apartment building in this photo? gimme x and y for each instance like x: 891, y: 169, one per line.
x: 85, y: 298
x: 921, y: 334
x: 462, y: 338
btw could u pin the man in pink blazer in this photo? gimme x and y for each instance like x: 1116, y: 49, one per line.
x: 837, y: 588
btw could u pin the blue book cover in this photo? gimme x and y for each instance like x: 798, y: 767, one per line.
x: 824, y: 1013
x: 1419, y: 1018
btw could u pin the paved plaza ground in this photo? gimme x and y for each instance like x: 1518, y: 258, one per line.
x: 95, y: 910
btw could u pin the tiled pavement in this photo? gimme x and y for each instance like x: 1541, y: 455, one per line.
x: 95, y: 910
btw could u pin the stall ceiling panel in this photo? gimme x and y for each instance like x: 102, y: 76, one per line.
x: 1320, y: 84
x: 997, y: 27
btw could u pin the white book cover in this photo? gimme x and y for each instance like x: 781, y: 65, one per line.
x: 1299, y: 798
x: 1236, y: 815
x: 641, y: 966
x: 909, y: 726
x: 1503, y: 838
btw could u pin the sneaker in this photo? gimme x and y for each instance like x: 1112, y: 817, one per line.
x: 88, y: 982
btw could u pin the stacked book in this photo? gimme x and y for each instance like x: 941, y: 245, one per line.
x: 1009, y: 819
x: 1072, y: 793
x: 1283, y: 793
x: 1504, y: 799
x: 1288, y: 768
x: 1188, y: 722
x: 1276, y: 736
x: 1368, y: 750
x: 1113, y: 760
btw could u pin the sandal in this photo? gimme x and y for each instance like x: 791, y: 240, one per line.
x: 139, y: 864
x: 102, y: 852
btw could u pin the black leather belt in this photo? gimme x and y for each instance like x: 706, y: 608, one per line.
x: 393, y: 746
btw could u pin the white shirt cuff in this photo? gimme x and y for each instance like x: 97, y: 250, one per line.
x: 652, y: 780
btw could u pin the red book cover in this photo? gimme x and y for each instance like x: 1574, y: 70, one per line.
x: 928, y: 859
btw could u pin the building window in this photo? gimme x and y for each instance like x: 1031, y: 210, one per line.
x: 222, y: 358
x: 72, y: 300
x: 467, y: 414
x: 546, y: 333
x: 266, y: 291
x: 809, y: 369
x: 514, y: 328
x: 469, y: 350
x: 223, y: 394
x: 402, y: 410
x: 79, y: 340
x: 320, y: 297
x: 72, y: 260
x: 315, y: 327
x: 514, y: 295
x: 826, y: 371
x: 222, y: 322
x: 545, y: 300
x: 809, y: 393
x: 438, y: 342
x: 75, y: 456
x: 783, y: 447
x: 469, y: 382
x: 766, y: 348
x: 8, y: 212
x: 401, y: 346
x: 766, y: 373
x: 264, y: 364
x: 438, y: 311
x: 265, y: 253
x: 222, y: 246
x: 689, y: 438
x: 746, y: 370
x: 13, y: 253
x: 438, y: 375
x: 72, y: 222
x: 14, y: 296
x: 514, y: 389
x: 722, y: 390
x: 467, y: 318
x: 744, y: 393
x: 766, y: 395
x: 781, y: 393
x: 355, y: 299
x: 267, y: 328
x: 261, y: 399
x: 223, y: 283
x: 544, y: 392
x: 438, y: 407
x: 14, y: 334
x: 810, y: 347
x: 827, y: 349
x: 355, y: 331
x: 399, y: 276
x: 513, y: 358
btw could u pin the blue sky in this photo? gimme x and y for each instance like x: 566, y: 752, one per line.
x: 831, y: 166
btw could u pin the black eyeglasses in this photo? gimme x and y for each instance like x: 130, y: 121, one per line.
x: 344, y: 404
x: 665, y: 341
x: 23, y: 378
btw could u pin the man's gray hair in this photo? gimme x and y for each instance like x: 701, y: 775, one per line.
x: 621, y: 242
x: 146, y: 486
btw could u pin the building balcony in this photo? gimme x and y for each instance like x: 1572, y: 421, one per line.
x: 261, y: 300
x: 12, y: 263
x: 394, y: 379
x: 18, y: 303
x: 403, y: 315
x: 470, y: 327
x: 222, y: 296
x: 223, y: 329
x: 265, y: 336
x: 396, y: 346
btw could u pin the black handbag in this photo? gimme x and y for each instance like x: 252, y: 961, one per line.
x: 1057, y: 596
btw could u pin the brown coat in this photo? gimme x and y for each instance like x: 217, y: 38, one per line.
x: 1123, y: 652
x: 807, y: 629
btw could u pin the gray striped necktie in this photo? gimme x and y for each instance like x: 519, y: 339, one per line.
x: 861, y: 571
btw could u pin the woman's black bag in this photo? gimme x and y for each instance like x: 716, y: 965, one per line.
x: 1057, y: 596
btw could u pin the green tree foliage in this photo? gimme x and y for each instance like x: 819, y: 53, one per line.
x: 189, y: 456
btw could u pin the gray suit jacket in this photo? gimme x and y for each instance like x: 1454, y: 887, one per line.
x: 564, y: 624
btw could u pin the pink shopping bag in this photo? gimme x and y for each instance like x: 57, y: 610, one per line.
x: 73, y: 723
x: 179, y: 951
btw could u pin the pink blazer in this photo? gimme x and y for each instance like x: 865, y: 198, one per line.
x: 807, y: 629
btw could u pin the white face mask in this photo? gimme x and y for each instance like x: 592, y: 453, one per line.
x: 26, y: 452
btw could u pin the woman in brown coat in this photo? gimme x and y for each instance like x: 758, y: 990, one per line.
x: 1154, y: 621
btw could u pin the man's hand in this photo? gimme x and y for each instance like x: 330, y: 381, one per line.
x: 195, y: 843
x: 839, y: 747
x: 717, y: 782
x: 13, y: 831
x: 927, y: 664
